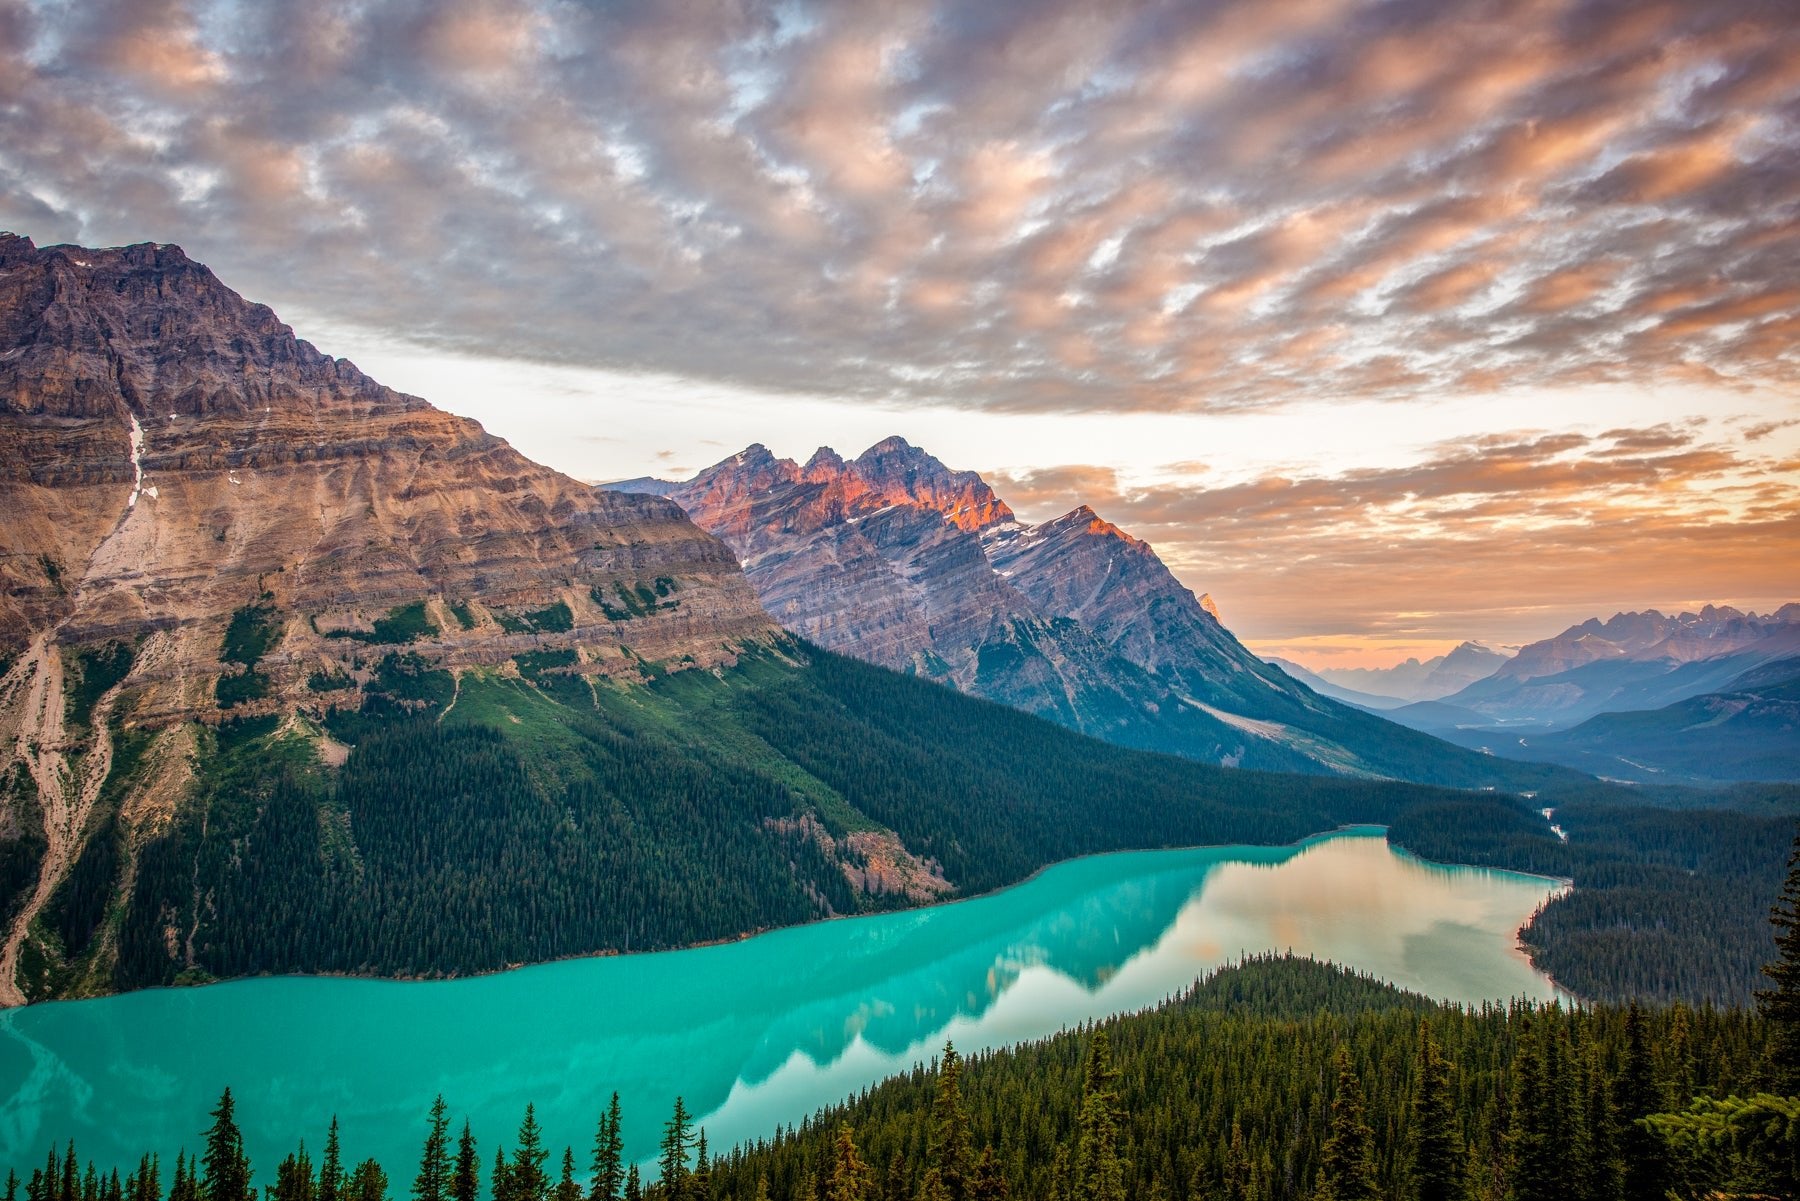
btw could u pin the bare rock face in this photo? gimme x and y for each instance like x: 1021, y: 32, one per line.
x: 883, y: 558
x: 896, y: 559
x: 170, y: 453
x: 1082, y: 567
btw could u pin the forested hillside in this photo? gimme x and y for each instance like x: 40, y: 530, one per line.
x: 484, y: 819
x: 1284, y: 1078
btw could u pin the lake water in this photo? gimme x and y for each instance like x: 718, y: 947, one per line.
x: 752, y: 1033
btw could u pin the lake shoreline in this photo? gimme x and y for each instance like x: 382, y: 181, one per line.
x: 758, y: 1030
x: 1355, y: 829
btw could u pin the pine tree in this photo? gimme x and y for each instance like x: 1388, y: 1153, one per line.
x: 146, y: 1183
x: 673, y: 1165
x: 367, y: 1183
x: 433, y: 1181
x: 1099, y: 1170
x: 1438, y: 1163
x: 526, y: 1179
x: 294, y: 1178
x: 1533, y: 1155
x: 566, y: 1188
x: 1780, y: 1005
x: 1605, y: 1179
x: 331, y: 1171
x: 894, y: 1187
x: 1239, y: 1178
x: 185, y: 1187
x: 1347, y: 1160
x: 634, y: 1188
x: 952, y: 1145
x: 502, y: 1178
x: 1647, y: 1171
x: 465, y: 1184
x: 849, y: 1180
x: 700, y: 1182
x: 609, y: 1154
x: 227, y: 1168
x: 989, y: 1182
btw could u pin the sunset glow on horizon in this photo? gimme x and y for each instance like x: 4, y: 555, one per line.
x: 1388, y: 324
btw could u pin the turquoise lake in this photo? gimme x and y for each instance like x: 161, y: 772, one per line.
x: 752, y: 1033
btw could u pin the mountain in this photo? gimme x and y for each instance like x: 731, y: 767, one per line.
x: 208, y: 519
x: 900, y: 561
x: 643, y: 484
x: 1632, y: 661
x: 1747, y: 730
x: 174, y: 455
x: 1412, y: 680
x: 300, y: 674
x: 1324, y: 687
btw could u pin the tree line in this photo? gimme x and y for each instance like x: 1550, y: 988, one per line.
x: 1279, y: 1078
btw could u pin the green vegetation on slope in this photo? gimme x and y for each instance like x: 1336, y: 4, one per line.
x: 1232, y: 1091
x: 498, y: 819
x: 407, y: 623
x: 1748, y: 730
x: 1668, y: 903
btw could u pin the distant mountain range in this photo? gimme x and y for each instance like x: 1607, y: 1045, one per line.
x: 1324, y: 687
x: 1747, y: 730
x: 1630, y: 661
x: 1691, y: 698
x: 1415, y: 681
x: 901, y: 561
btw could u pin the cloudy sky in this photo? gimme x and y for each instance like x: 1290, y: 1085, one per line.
x: 1388, y: 323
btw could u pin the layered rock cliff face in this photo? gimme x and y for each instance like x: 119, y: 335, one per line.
x: 899, y: 560
x: 170, y: 453
x: 1082, y: 567
x: 885, y: 559
x: 205, y: 516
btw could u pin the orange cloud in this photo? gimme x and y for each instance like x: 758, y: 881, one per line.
x: 1508, y: 537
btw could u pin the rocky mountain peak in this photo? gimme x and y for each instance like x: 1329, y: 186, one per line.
x: 1643, y: 636
x: 897, y: 559
x: 172, y: 455
x: 146, y: 330
x: 1082, y: 519
x: 825, y: 465
x: 755, y: 467
x: 898, y: 472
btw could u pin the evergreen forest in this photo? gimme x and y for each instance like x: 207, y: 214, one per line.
x: 494, y: 819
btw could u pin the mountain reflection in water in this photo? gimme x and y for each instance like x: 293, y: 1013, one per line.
x: 752, y: 1033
